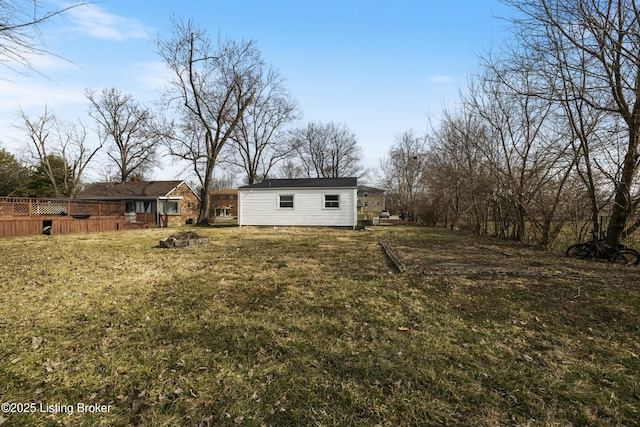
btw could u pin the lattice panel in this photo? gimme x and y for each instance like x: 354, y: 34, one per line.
x: 14, y: 209
x: 79, y: 208
x: 49, y: 209
x: 20, y: 207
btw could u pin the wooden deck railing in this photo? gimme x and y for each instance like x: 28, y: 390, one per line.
x: 27, y: 207
x: 140, y: 218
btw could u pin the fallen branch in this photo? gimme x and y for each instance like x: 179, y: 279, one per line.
x: 393, y: 257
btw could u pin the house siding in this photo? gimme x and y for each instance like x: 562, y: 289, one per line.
x: 371, y: 199
x: 261, y: 207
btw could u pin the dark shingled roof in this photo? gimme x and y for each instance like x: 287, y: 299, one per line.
x: 127, y: 190
x: 306, y: 183
x: 371, y: 189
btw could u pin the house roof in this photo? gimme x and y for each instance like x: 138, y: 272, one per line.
x: 128, y: 190
x: 371, y: 189
x: 305, y: 183
x: 224, y: 192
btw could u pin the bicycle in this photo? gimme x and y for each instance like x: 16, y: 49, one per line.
x: 597, y: 248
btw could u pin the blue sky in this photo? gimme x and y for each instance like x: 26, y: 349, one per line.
x: 379, y: 67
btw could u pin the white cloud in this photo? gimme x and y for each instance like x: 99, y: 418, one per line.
x: 96, y: 22
x: 151, y: 74
x: 30, y: 94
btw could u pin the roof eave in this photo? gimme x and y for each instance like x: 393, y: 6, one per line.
x: 350, y: 187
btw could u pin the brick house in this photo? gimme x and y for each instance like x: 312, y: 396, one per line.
x: 152, y: 203
x: 224, y: 203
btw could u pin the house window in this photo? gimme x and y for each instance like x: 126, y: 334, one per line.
x: 145, y: 206
x: 332, y: 201
x: 168, y: 207
x: 285, y: 201
x: 365, y: 203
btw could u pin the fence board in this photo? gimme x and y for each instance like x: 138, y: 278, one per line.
x: 28, y: 217
x: 59, y: 225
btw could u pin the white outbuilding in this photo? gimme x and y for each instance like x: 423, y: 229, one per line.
x: 299, y: 202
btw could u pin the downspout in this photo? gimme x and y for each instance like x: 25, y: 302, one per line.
x: 355, y: 208
x: 239, y: 208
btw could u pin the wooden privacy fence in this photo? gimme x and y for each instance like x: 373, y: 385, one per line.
x: 24, y: 216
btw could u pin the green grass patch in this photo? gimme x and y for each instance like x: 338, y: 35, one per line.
x: 273, y: 327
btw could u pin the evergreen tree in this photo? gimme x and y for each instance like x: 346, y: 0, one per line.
x: 12, y: 174
x: 39, y: 184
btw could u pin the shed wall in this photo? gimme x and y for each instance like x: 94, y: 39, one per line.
x: 261, y: 207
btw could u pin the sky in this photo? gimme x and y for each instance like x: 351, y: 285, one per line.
x: 380, y: 68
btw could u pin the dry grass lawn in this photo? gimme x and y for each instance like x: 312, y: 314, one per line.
x: 273, y: 327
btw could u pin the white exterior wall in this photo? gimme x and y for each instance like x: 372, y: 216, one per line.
x: 261, y: 207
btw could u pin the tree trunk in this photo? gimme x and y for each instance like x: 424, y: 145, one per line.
x: 205, y: 199
x: 622, y: 207
x: 205, y: 208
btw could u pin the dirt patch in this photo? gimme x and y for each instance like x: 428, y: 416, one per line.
x: 486, y: 257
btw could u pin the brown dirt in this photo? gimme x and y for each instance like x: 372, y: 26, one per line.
x: 486, y: 256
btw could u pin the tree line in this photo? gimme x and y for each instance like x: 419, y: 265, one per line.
x: 546, y: 138
x: 223, y: 109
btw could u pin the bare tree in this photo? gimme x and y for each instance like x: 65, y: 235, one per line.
x: 20, y: 36
x: 290, y: 169
x: 212, y: 86
x: 327, y: 150
x: 77, y: 154
x: 593, y: 46
x: 224, y: 181
x: 51, y: 138
x: 39, y: 131
x: 403, y: 172
x: 459, y: 173
x: 260, y: 140
x: 525, y: 152
x: 126, y: 127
